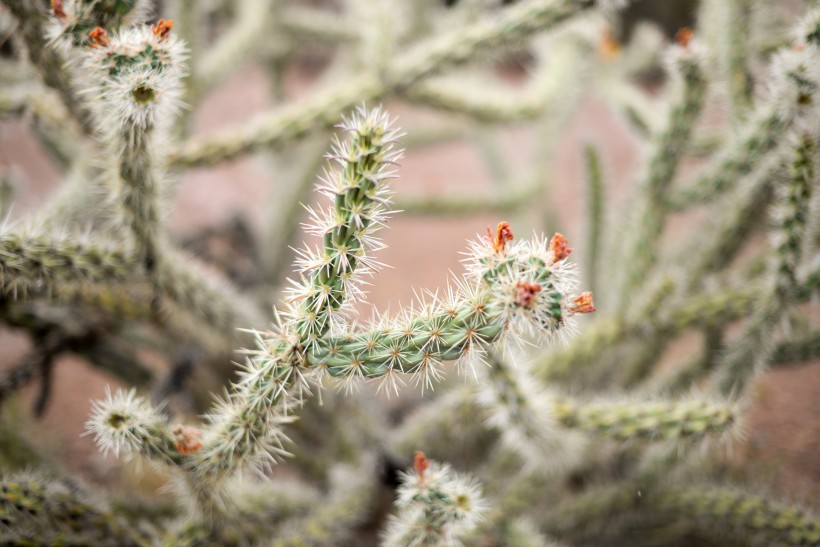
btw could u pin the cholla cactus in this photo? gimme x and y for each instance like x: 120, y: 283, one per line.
x: 437, y: 506
x: 511, y: 289
x: 565, y: 429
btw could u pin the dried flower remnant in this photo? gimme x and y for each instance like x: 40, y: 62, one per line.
x: 609, y: 46
x: 187, y: 439
x: 526, y: 292
x: 420, y: 464
x: 58, y: 10
x: 581, y: 304
x: 162, y: 30
x: 503, y: 234
x: 559, y: 247
x: 684, y: 36
x: 99, y: 38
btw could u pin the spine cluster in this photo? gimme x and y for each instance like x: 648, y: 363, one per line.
x: 437, y: 506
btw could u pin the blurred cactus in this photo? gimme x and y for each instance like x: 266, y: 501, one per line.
x: 546, y: 443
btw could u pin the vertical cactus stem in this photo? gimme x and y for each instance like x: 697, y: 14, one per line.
x: 791, y: 100
x: 137, y: 75
x: 139, y: 192
x: 523, y: 415
x: 736, y: 52
x: 792, y: 217
x: 594, y: 217
x: 357, y: 186
x: 687, y: 64
x: 751, y: 352
x: 731, y: 230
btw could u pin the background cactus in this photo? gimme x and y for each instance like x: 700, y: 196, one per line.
x: 565, y: 430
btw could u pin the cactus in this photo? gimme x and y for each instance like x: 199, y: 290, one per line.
x: 569, y: 427
x: 436, y: 506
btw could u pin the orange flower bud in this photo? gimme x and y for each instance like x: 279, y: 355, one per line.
x: 99, y: 37
x: 684, y: 36
x: 503, y: 234
x: 186, y: 439
x: 420, y: 463
x: 57, y: 9
x: 162, y: 29
x: 609, y: 46
x: 559, y: 247
x: 581, y: 304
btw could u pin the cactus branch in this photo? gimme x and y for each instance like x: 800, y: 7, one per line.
x: 283, y: 126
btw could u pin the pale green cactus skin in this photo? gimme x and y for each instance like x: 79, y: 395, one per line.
x: 565, y: 430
